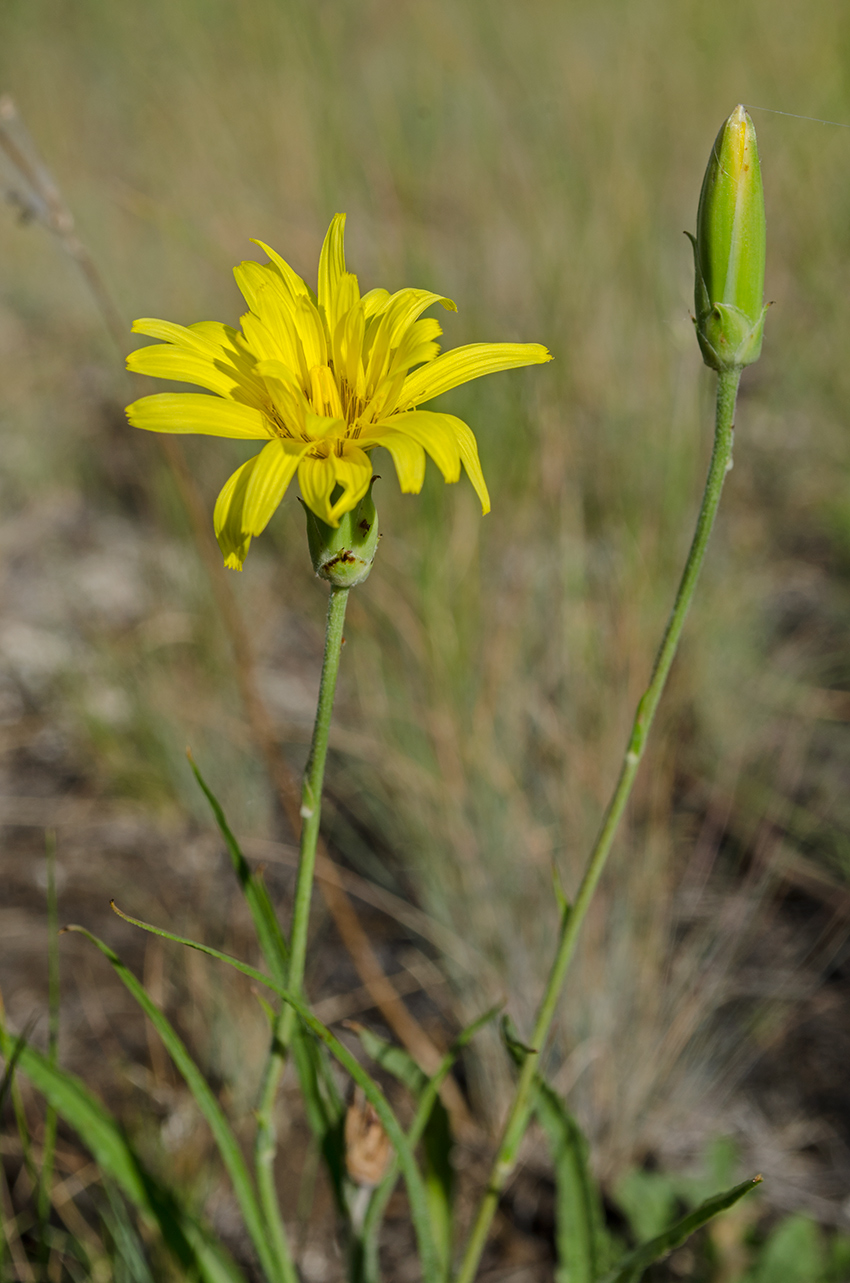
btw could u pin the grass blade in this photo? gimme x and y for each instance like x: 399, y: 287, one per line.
x: 631, y: 1267
x: 578, y: 1211
x: 436, y: 1138
x: 579, y: 1218
x: 394, y: 1059
x: 228, y: 1146
x: 325, y: 1109
x: 371, y: 1090
x: 192, y: 1246
x: 269, y: 934
x: 12, y: 1063
x: 367, y: 1268
x: 125, y: 1237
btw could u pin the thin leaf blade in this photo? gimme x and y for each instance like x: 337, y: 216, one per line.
x: 269, y: 934
x: 413, y: 1179
x: 228, y: 1146
x: 578, y: 1211
x: 191, y: 1245
x: 632, y: 1266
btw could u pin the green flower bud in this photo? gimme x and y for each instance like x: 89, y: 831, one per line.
x: 344, y: 555
x: 729, y: 249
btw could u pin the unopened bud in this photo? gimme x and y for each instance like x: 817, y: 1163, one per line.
x: 344, y: 555
x: 729, y: 249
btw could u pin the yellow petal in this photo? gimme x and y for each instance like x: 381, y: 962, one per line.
x: 164, y: 361
x: 286, y: 395
x: 275, y: 369
x: 274, y: 468
x: 385, y: 398
x: 374, y: 301
x: 331, y: 268
x: 417, y: 345
x: 348, y: 348
x: 207, y: 339
x: 260, y: 339
x: 223, y: 336
x: 435, y: 432
x: 388, y: 329
x: 291, y: 279
x: 317, y: 478
x: 324, y: 392
x: 353, y: 471
x: 180, y: 335
x: 406, y: 305
x: 311, y: 333
x: 469, y: 454
x: 232, y: 538
x: 408, y: 457
x: 193, y: 412
x: 270, y: 327
x: 465, y: 363
x: 318, y: 426
x: 262, y: 288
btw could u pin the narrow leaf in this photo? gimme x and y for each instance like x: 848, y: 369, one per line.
x: 228, y: 1146
x: 394, y: 1059
x: 631, y: 1267
x: 578, y: 1211
x: 367, y: 1264
x: 437, y: 1139
x: 579, y: 1219
x: 254, y: 889
x: 324, y: 1106
x: 12, y: 1062
x: 323, y: 1102
x: 564, y: 905
x: 192, y: 1246
x: 371, y: 1090
x: 437, y: 1143
x: 125, y: 1236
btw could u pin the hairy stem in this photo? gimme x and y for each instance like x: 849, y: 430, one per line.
x: 520, y: 1111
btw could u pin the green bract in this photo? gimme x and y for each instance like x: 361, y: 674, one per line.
x: 344, y: 554
x: 729, y: 249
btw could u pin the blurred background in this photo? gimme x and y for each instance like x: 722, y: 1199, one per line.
x: 537, y: 163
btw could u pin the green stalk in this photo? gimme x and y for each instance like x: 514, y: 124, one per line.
x: 265, y: 1144
x: 311, y: 792
x: 265, y: 1149
x: 523, y: 1102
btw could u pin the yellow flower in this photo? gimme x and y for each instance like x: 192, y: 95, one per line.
x: 323, y: 379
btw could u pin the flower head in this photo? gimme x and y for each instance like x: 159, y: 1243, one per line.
x: 729, y: 249
x: 323, y: 379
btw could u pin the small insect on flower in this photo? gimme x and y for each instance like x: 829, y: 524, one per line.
x: 323, y: 379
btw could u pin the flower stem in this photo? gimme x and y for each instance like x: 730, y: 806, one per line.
x: 265, y: 1145
x: 311, y: 789
x: 520, y: 1112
